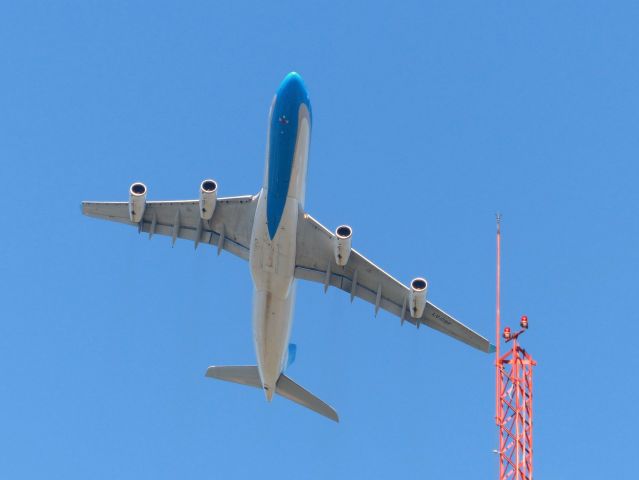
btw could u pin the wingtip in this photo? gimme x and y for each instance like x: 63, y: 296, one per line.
x: 492, y: 348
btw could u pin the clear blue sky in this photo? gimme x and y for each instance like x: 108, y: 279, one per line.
x: 428, y: 118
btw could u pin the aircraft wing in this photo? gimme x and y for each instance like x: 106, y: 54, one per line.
x: 361, y: 278
x: 229, y: 229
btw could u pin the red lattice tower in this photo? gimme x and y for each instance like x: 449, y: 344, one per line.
x: 514, y: 399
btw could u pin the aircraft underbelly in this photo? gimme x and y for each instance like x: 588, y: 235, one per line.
x: 272, y: 263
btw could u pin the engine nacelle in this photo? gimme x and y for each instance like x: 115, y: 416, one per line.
x: 137, y: 202
x: 342, y: 244
x: 208, y: 197
x: 417, y: 297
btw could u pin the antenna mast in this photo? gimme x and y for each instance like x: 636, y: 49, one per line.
x: 498, y: 313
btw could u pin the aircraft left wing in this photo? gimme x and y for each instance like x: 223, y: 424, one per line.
x: 229, y: 229
x: 361, y: 278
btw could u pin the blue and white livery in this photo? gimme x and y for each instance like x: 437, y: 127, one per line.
x: 282, y: 243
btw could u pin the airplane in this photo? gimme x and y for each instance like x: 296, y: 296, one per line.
x: 282, y: 243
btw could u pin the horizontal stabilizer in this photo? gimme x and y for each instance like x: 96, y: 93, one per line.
x: 285, y: 387
x: 243, y: 374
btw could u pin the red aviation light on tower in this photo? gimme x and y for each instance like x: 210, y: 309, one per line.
x: 507, y: 333
x: 524, y: 322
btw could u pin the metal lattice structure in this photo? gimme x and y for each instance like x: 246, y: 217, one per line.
x: 514, y: 398
x: 515, y: 412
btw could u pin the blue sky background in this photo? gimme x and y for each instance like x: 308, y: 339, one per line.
x: 428, y: 118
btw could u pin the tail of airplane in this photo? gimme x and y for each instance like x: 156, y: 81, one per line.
x: 285, y: 387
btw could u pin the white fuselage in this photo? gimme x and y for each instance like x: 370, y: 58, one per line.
x: 273, y: 239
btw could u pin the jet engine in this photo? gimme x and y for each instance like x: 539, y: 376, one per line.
x: 342, y: 244
x: 417, y: 297
x: 208, y: 197
x: 137, y: 202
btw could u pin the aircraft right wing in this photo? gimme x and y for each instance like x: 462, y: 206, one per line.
x: 361, y: 278
x: 229, y: 229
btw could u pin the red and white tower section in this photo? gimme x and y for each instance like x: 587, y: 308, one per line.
x: 514, y: 397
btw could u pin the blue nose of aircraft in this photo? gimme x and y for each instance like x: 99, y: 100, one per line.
x: 290, y: 96
x: 292, y: 91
